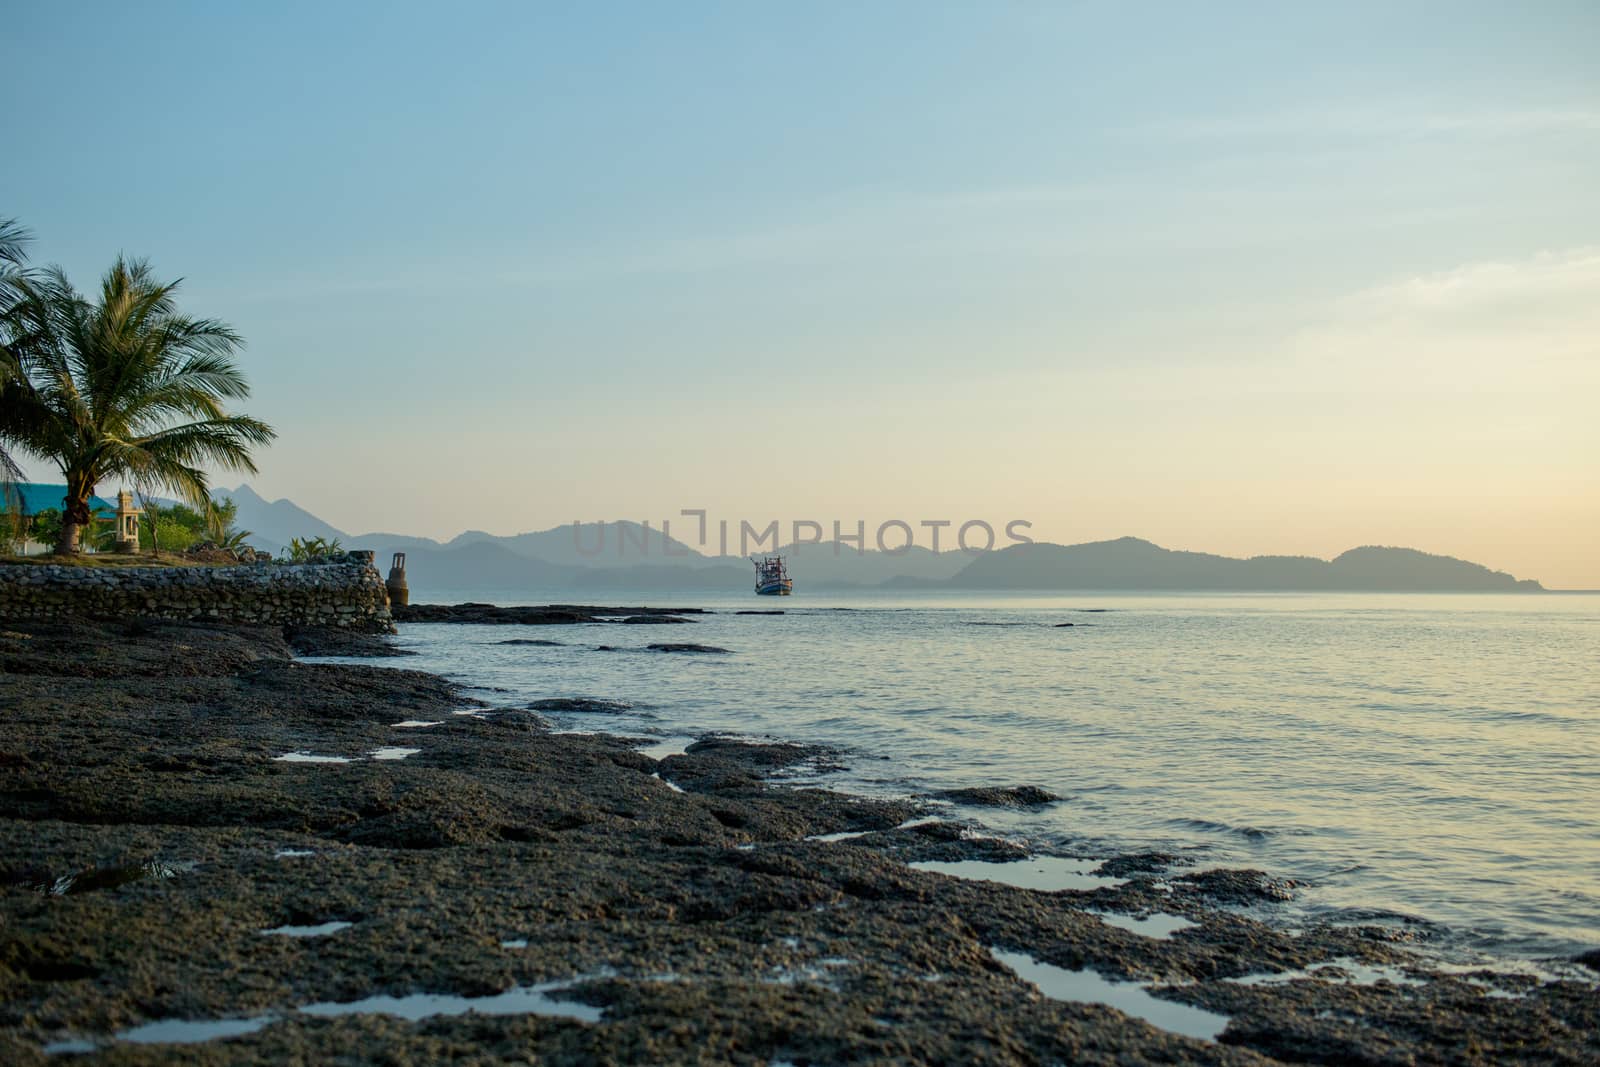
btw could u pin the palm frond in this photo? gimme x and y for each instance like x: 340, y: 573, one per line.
x: 225, y: 441
x: 14, y: 240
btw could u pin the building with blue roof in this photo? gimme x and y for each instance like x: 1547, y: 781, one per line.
x: 37, y: 497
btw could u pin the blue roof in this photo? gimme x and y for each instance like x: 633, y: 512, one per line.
x: 37, y: 498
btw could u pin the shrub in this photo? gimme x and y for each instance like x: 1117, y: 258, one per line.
x: 311, y: 550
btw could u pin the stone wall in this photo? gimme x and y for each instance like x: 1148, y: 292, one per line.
x: 347, y: 593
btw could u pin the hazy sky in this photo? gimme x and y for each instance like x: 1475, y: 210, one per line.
x: 1233, y: 277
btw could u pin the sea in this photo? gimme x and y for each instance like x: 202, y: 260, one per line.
x: 1430, y: 763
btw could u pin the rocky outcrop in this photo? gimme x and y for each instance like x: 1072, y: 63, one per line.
x: 346, y: 593
x: 538, y: 615
x: 993, y: 796
x: 590, y: 705
x: 685, y: 647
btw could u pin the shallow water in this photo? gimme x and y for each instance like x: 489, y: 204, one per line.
x: 1130, y: 998
x: 1343, y: 970
x: 1047, y: 873
x: 521, y: 1000
x: 672, y: 746
x: 1423, y: 756
x: 319, y: 930
x: 1159, y: 926
x: 168, y: 1032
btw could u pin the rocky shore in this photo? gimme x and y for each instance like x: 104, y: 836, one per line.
x: 204, y: 840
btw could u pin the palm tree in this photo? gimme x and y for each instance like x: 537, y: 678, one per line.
x: 128, y: 386
x: 17, y: 336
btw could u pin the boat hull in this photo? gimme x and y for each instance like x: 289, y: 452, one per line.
x: 783, y: 588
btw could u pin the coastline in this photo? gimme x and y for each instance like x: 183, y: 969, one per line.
x: 666, y: 909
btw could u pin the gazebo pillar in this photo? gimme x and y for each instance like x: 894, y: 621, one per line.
x: 127, y: 523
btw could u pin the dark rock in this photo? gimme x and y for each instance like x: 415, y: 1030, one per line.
x: 1590, y: 959
x: 765, y: 756
x: 1017, y: 796
x: 653, y: 620
x: 525, y: 720
x: 531, y: 615
x: 329, y: 641
x: 99, y: 648
x: 758, y: 613
x: 1061, y: 625
x: 1139, y: 863
x: 950, y: 841
x: 1237, y: 887
x: 581, y: 704
x: 685, y: 648
x: 538, y: 642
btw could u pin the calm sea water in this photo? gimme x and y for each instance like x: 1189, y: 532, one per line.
x: 1435, y: 758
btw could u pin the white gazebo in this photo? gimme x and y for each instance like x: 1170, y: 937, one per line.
x: 127, y: 523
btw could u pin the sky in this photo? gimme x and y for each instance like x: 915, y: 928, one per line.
x: 1239, y: 278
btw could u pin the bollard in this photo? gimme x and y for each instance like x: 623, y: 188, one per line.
x: 399, y: 594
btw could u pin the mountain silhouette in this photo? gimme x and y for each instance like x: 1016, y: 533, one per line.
x: 1133, y: 563
x: 554, y: 559
x: 274, y: 524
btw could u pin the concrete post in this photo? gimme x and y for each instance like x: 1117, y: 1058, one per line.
x: 399, y: 594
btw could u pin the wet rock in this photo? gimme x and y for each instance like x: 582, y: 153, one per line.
x: 685, y: 648
x: 1237, y: 886
x: 1391, y: 935
x: 653, y: 620
x: 136, y: 648
x: 1439, y: 1019
x: 542, y: 615
x: 1590, y: 959
x: 537, y: 642
x: 589, y: 705
x: 750, y: 612
x: 993, y: 796
x: 766, y: 756
x: 331, y: 641
x: 1064, y: 625
x: 1139, y: 863
x: 523, y: 721
x: 949, y: 842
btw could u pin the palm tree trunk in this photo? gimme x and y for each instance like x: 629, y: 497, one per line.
x: 67, y: 543
x: 75, y: 514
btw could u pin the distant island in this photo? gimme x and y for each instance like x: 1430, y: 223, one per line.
x: 549, y: 560
x: 1131, y: 563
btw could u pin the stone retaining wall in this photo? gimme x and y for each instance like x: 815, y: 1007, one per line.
x: 348, y: 594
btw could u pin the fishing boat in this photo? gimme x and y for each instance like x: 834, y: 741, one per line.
x: 771, y: 577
